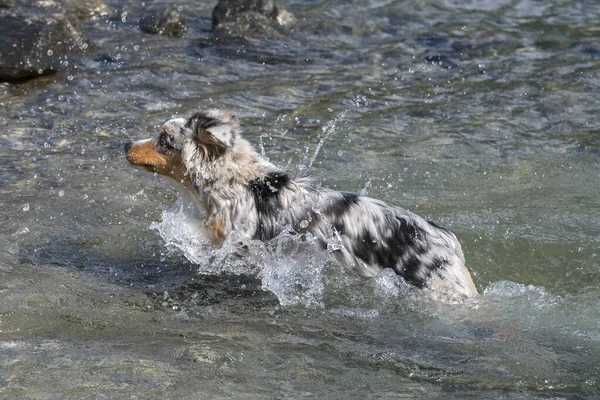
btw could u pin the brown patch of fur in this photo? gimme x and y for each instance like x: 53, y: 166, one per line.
x: 169, y: 165
x: 145, y: 154
x: 217, y: 232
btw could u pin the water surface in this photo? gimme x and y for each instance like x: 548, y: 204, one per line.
x: 481, y: 116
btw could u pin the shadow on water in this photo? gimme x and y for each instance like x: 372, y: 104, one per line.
x: 169, y: 280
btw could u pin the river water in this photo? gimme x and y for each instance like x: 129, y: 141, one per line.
x: 479, y: 115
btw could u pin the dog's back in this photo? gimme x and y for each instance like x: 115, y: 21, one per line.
x: 370, y: 234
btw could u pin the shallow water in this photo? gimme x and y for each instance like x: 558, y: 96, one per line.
x: 480, y: 116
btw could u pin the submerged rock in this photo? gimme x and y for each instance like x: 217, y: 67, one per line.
x: 38, y: 36
x: 250, y: 21
x: 163, y: 20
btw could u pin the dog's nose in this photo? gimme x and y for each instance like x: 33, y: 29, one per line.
x: 128, y: 147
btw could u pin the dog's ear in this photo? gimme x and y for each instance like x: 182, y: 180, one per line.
x: 214, y: 128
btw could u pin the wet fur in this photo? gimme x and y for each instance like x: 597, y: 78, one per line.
x: 238, y: 189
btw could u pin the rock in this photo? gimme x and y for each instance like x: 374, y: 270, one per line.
x: 250, y: 21
x: 163, y: 20
x: 38, y: 35
x: 83, y: 9
x: 230, y: 10
x: 250, y: 27
x: 32, y: 43
x: 7, y: 3
x: 284, y: 18
x: 257, y: 30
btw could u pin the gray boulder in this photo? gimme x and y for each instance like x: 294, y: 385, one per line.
x: 230, y: 10
x: 250, y: 27
x: 38, y: 35
x: 163, y: 20
x: 250, y: 21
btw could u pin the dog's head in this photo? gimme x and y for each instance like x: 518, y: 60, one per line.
x: 183, y: 145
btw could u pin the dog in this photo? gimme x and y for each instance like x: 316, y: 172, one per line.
x: 237, y: 189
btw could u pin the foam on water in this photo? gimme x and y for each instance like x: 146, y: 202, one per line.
x: 536, y: 297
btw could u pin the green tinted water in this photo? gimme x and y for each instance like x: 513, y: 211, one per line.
x: 480, y: 116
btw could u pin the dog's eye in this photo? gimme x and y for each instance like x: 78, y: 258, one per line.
x: 162, y: 140
x: 165, y: 141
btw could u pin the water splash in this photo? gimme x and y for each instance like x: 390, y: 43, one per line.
x: 531, y: 297
x: 181, y: 229
x: 365, y: 190
x: 326, y: 132
x: 389, y: 284
x: 287, y: 266
x: 295, y: 280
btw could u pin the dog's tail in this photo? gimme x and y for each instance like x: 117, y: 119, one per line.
x: 453, y: 285
x: 468, y: 281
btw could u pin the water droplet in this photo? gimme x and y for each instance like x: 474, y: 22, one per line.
x: 340, y: 153
x: 70, y: 77
x: 50, y: 53
x: 40, y: 71
x: 303, y: 223
x: 136, y: 47
x: 26, y: 207
x: 124, y: 16
x: 61, y: 193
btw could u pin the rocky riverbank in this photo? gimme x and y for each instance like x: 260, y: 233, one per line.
x: 44, y: 36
